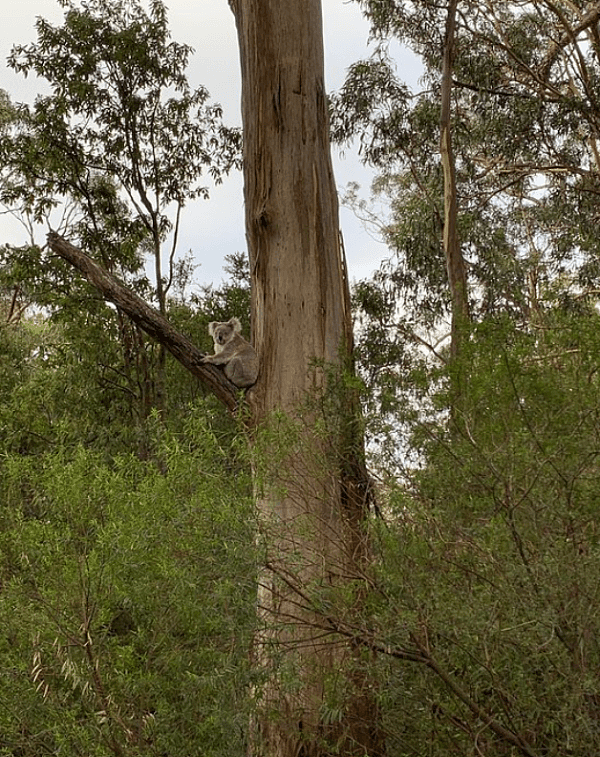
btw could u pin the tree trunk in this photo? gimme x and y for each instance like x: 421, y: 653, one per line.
x: 313, y: 507
x: 457, y: 277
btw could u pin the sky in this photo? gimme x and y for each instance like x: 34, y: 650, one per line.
x: 214, y: 228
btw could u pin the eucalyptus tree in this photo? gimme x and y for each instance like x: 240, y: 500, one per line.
x: 524, y: 126
x: 120, y: 106
x: 316, y: 503
x: 122, y: 142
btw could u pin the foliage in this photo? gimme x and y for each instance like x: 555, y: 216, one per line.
x: 524, y: 123
x: 126, y: 554
x: 128, y: 600
x: 120, y: 108
x: 490, y: 566
x: 84, y: 374
x: 121, y: 144
x: 524, y: 119
x: 128, y: 563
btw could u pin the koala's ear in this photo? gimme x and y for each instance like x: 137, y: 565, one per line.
x: 212, y: 327
x: 235, y: 324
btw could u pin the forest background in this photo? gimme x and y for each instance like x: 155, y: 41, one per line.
x: 130, y: 547
x: 212, y: 230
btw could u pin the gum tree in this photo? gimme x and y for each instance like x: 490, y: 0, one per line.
x: 300, y: 313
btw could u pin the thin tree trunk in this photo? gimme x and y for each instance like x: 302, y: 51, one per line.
x: 457, y: 277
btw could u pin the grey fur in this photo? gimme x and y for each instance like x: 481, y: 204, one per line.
x: 233, y: 352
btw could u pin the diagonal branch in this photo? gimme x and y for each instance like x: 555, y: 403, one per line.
x: 148, y: 319
x: 421, y: 653
x: 569, y: 36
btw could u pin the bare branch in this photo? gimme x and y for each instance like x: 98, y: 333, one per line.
x: 148, y: 319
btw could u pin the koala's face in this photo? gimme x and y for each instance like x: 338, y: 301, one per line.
x: 222, y: 332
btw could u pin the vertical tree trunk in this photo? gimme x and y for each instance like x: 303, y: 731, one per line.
x: 455, y: 263
x: 299, y: 301
x: 314, y: 511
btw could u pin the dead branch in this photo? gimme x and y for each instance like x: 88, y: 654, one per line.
x: 148, y: 319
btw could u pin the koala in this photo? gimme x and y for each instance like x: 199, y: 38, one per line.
x: 233, y: 352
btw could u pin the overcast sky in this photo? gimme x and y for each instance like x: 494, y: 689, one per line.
x: 214, y: 228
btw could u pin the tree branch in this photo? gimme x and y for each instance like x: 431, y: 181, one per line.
x: 569, y: 36
x: 420, y: 654
x: 486, y: 717
x: 148, y: 319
